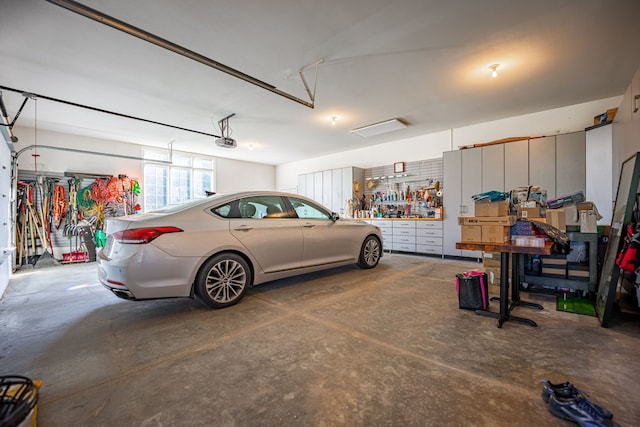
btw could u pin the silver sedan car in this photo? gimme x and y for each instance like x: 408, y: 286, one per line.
x: 216, y: 247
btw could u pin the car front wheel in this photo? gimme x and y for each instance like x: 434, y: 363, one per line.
x: 370, y: 252
x: 223, y: 280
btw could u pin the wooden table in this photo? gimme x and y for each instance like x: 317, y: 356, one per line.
x: 505, y: 249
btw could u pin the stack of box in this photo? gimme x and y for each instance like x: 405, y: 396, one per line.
x: 491, y: 266
x: 490, y: 225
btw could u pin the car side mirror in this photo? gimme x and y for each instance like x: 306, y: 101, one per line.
x: 334, y: 216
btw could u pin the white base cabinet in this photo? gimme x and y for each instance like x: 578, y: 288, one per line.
x: 410, y: 235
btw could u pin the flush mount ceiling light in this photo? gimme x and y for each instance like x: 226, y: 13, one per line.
x: 379, y: 128
x: 494, y: 70
x: 334, y: 119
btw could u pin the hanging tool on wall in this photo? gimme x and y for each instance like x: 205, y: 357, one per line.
x: 59, y: 205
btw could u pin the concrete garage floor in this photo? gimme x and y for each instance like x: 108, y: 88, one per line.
x: 347, y: 347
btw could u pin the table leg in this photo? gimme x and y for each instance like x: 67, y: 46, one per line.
x: 515, y: 285
x: 503, y: 315
x: 505, y: 309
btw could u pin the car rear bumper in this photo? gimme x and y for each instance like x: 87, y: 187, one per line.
x: 132, y: 276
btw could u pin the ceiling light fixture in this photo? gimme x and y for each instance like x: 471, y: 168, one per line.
x: 334, y: 119
x: 379, y: 128
x: 494, y: 70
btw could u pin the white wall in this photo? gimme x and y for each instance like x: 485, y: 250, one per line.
x: 551, y: 122
x: 233, y: 175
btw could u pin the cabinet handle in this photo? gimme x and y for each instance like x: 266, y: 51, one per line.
x: 635, y: 103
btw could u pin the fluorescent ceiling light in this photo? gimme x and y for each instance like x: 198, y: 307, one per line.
x: 379, y: 128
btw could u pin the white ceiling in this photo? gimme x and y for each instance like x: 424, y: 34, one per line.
x: 423, y: 61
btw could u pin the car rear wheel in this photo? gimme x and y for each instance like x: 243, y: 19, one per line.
x: 223, y: 280
x: 370, y: 252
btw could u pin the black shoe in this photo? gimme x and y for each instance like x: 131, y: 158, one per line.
x: 579, y: 410
x: 569, y: 391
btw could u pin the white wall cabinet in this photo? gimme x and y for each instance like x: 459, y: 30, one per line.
x: 516, y: 164
x: 493, y: 167
x: 556, y: 164
x: 600, y: 181
x: 331, y: 188
x: 542, y: 164
x: 570, y: 163
x: 462, y: 179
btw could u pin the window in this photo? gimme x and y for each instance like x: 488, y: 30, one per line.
x: 306, y: 210
x: 256, y: 207
x: 187, y: 177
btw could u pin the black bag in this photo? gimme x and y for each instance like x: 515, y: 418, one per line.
x: 472, y: 290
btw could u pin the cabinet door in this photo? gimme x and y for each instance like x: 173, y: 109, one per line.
x: 347, y: 185
x: 452, y: 203
x: 471, y: 168
x: 493, y: 168
x: 337, y: 201
x: 570, y: 163
x: 327, y: 189
x: 542, y: 164
x: 516, y: 164
x: 309, y: 185
x: 599, y: 185
x: 317, y: 187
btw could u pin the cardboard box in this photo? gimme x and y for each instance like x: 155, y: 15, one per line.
x: 493, y: 277
x: 495, y: 233
x: 491, y: 259
x: 471, y: 233
x: 557, y: 218
x: 529, y: 212
x: 500, y: 208
x: 571, y: 216
x: 585, y: 206
x: 487, y: 220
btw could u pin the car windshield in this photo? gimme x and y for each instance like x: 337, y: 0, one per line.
x: 188, y: 204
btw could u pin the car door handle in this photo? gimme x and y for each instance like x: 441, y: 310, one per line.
x: 243, y: 228
x: 309, y: 225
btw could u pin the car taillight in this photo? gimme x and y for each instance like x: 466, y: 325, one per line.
x: 143, y: 235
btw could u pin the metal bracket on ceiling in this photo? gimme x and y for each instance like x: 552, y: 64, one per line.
x: 312, y: 96
x: 117, y: 24
x: 225, y: 130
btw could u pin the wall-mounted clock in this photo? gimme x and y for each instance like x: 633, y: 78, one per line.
x: 398, y: 167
